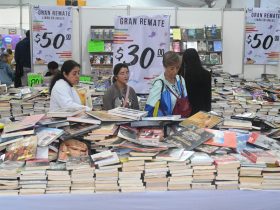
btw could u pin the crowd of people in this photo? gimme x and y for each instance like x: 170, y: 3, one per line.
x: 183, y: 88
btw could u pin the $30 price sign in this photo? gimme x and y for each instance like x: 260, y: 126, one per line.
x: 140, y: 42
x: 262, y: 45
x: 52, y: 34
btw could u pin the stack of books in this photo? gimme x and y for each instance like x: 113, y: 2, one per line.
x: 180, y: 175
x: 131, y: 181
x: 227, y: 171
x: 250, y: 174
x: 203, y: 171
x: 106, y: 179
x: 82, y: 179
x: 155, y: 176
x: 59, y: 181
x: 33, y: 181
x: 9, y: 173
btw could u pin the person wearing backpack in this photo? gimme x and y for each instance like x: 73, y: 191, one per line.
x: 168, y: 95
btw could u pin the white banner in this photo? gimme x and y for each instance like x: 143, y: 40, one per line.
x: 262, y: 45
x: 52, y: 34
x: 140, y: 42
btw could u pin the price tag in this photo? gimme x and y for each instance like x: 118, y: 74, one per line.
x: 140, y: 42
x: 85, y: 78
x: 34, y: 79
x: 262, y: 45
x: 52, y: 34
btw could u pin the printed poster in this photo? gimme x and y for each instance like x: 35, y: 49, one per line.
x: 52, y: 34
x: 262, y: 45
x: 140, y: 42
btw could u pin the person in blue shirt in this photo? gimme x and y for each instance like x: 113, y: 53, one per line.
x: 6, y: 74
x: 161, y: 101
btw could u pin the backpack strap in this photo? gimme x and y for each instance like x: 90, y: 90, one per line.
x: 126, y: 96
x: 157, y: 105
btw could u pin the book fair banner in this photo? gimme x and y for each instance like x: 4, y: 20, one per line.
x: 140, y: 42
x: 262, y: 45
x: 52, y: 34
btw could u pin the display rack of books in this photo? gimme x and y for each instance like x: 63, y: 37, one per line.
x: 207, y: 41
x: 100, y: 48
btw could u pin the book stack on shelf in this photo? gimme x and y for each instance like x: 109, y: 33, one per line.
x: 207, y: 41
x: 100, y: 48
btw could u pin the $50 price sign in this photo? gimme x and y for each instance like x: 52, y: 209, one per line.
x: 262, y: 45
x: 52, y: 34
x: 140, y: 42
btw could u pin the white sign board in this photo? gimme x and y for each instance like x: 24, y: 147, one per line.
x: 262, y: 45
x: 140, y: 42
x: 52, y: 34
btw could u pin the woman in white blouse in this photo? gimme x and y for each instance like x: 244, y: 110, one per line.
x: 63, y: 94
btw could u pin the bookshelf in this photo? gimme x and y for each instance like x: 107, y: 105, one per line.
x: 207, y: 41
x: 100, y: 48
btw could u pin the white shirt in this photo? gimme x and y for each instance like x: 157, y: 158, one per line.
x: 65, y: 96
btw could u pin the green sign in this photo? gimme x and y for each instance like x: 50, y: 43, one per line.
x: 85, y: 78
x: 34, y: 79
x: 96, y: 46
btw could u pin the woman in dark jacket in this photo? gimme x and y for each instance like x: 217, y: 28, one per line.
x: 198, y: 81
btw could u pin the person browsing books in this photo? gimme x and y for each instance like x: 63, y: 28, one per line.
x: 6, y: 74
x: 198, y: 81
x: 166, y: 87
x: 63, y: 93
x: 52, y: 69
x: 120, y: 94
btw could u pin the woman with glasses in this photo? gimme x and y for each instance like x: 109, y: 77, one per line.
x: 166, y: 87
x: 120, y: 94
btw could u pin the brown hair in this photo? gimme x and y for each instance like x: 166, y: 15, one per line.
x: 171, y: 58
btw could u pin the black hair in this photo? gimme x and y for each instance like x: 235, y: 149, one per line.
x: 117, y: 69
x: 9, y: 51
x: 52, y: 65
x: 171, y: 58
x: 191, y: 63
x: 27, y: 33
x: 66, y: 68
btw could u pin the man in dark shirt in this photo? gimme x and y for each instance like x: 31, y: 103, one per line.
x: 52, y: 69
x: 23, y: 61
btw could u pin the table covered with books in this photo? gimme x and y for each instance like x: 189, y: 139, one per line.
x: 206, y: 158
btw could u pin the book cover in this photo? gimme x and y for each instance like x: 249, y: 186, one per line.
x: 202, y: 120
x: 192, y: 45
x: 104, y: 116
x: 215, y: 58
x: 191, y: 34
x: 77, y: 130
x: 217, y: 46
x: 176, y: 46
x: 72, y: 148
x: 226, y: 160
x: 222, y: 138
x: 84, y: 119
x: 201, y: 46
x: 22, y: 150
x: 260, y: 156
x: 128, y: 113
x: 141, y: 148
x: 210, y: 45
x: 199, y: 33
x: 68, y: 112
x: 189, y: 137
x: 184, y: 34
x: 47, y: 135
x: 264, y: 141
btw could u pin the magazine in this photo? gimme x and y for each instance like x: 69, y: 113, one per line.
x: 189, y: 137
x: 22, y: 150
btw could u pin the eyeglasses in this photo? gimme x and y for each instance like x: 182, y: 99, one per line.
x: 123, y: 73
